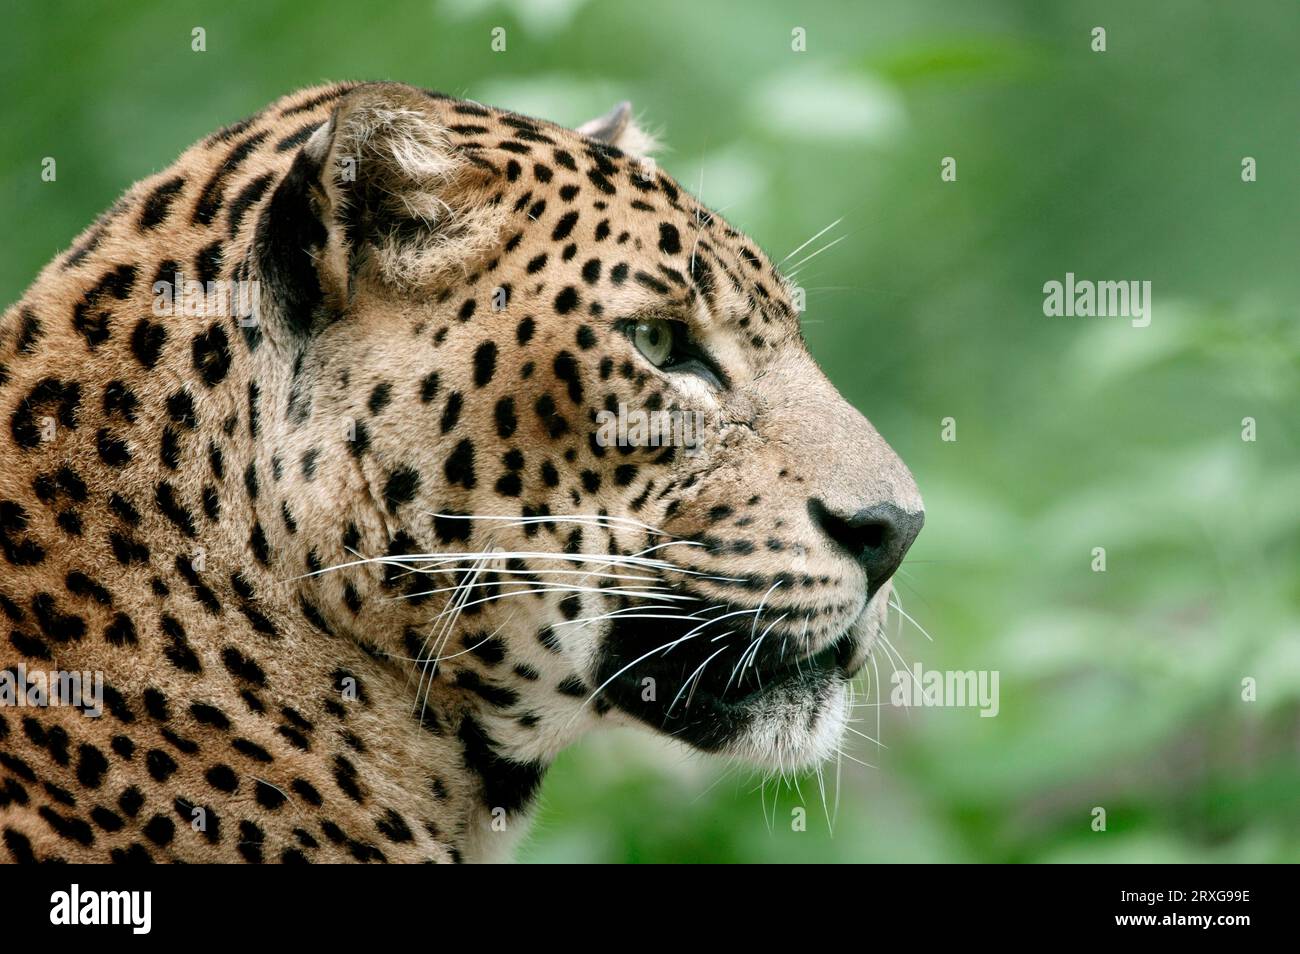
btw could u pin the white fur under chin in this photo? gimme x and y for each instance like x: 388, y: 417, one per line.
x: 779, y: 739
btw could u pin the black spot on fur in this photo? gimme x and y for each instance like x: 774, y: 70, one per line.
x: 506, y: 784
x: 147, y: 340
x: 248, y: 196
x: 380, y: 397
x: 306, y: 791
x: 206, y: 714
x: 30, y: 331
x: 67, y: 826
x: 459, y: 468
x: 160, y: 765
x: 564, y: 226
x: 268, y: 796
x: 158, y: 202
x: 298, y: 136
x: 393, y: 827
x: 450, y: 527
x: 91, y: 766
x: 211, y: 354
x: 254, y: 395
x: 257, y: 543
x: 208, y: 263
x: 566, y: 300
x: 252, y: 750
x: 49, y: 394
x: 401, y: 487
x: 121, y: 631
x: 91, y: 316
x: 669, y: 240
x: 242, y: 667
x: 429, y: 387
x: 212, y: 196
x: 485, y: 362
x: 123, y: 509
x: 160, y: 830
x: 106, y: 819
x: 56, y: 626
x: 451, y: 413
x: 345, y: 776
x: 112, y: 450
x: 130, y: 801
x: 165, y: 497
x: 222, y: 778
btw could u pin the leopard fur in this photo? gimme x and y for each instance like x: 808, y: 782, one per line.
x: 352, y: 563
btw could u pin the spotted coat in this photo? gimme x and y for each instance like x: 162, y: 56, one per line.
x: 353, y: 562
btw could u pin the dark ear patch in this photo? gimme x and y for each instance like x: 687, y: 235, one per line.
x: 376, y: 194
x: 290, y: 238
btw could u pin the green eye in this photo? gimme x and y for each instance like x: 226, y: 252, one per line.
x: 653, y: 337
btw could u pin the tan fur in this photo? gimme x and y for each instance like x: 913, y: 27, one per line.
x: 456, y: 219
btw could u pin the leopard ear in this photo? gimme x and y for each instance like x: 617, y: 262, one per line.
x: 617, y: 128
x: 376, y: 194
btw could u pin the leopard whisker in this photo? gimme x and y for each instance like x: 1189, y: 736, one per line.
x: 586, y: 519
x: 839, y: 764
x: 469, y: 649
x: 601, y: 688
x: 821, y: 787
x: 863, y: 734
x: 545, y: 572
x: 758, y: 645
x: 906, y: 616
x: 631, y: 612
x: 892, y: 656
x: 717, y: 619
x: 750, y: 653
x: 811, y: 240
x: 429, y: 670
x: 854, y: 759
x: 797, y: 266
x: 754, y: 625
x: 697, y: 677
x: 557, y: 589
x: 418, y: 561
x: 890, y: 648
x: 659, y: 593
x: 875, y: 669
x: 532, y: 572
x: 697, y: 673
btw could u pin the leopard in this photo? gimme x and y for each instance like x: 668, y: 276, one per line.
x: 316, y: 544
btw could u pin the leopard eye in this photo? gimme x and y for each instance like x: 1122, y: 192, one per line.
x: 653, y: 337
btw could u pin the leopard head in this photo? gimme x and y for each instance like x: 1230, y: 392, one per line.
x: 558, y: 443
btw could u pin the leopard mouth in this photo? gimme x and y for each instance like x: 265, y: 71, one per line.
x: 709, y: 690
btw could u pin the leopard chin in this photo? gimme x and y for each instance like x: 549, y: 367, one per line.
x: 776, y: 708
x: 797, y: 728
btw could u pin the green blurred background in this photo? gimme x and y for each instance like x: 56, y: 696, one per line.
x: 1119, y: 689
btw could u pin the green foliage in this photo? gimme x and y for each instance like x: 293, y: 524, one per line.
x: 1119, y: 689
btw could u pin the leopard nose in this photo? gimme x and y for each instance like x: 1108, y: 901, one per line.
x: 877, y: 537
